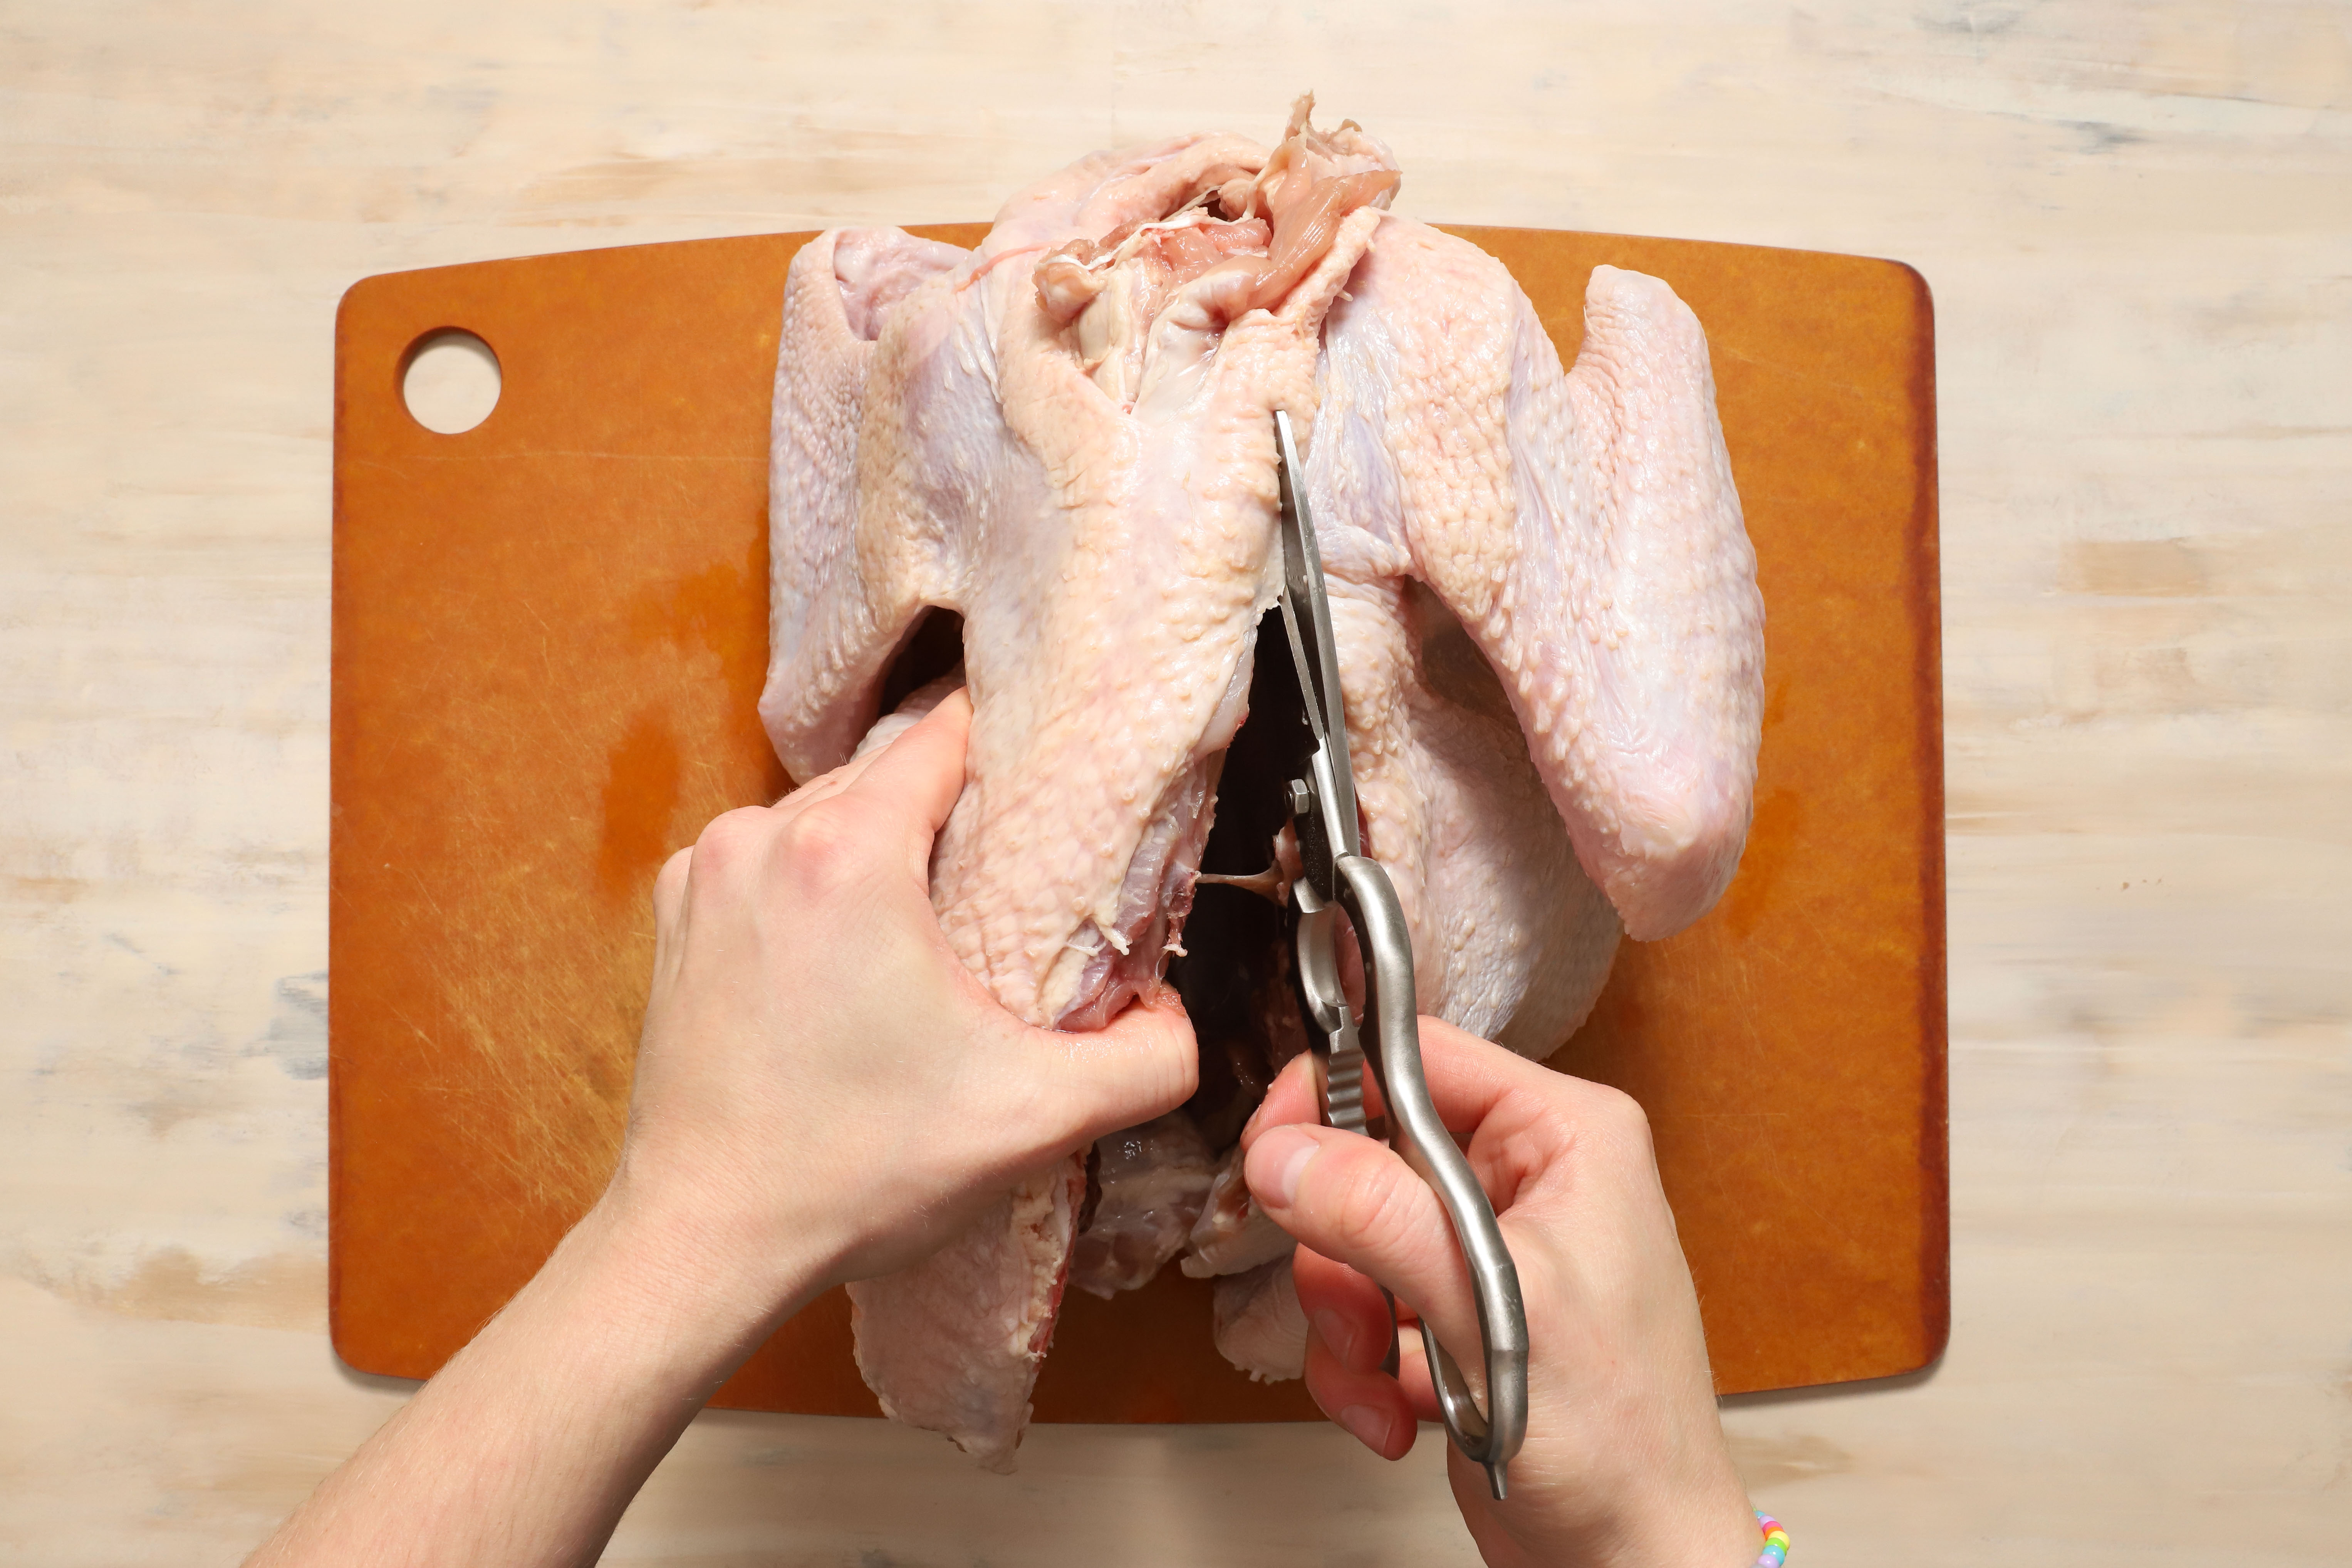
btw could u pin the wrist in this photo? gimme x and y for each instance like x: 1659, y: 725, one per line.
x: 699, y: 1284
x: 1709, y: 1526
x: 1717, y: 1527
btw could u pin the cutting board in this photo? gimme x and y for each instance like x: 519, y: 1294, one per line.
x: 549, y: 634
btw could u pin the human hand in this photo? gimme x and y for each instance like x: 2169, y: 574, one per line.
x: 823, y: 1092
x: 1624, y: 1462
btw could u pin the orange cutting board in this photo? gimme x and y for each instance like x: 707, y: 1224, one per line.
x: 549, y: 634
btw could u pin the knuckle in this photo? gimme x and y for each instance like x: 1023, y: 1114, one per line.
x: 1624, y: 1112
x: 1619, y: 1118
x: 824, y: 851
x: 730, y: 840
x: 1616, y: 1107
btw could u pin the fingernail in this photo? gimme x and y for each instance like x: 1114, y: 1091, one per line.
x: 1333, y: 1331
x: 1370, y: 1427
x: 1293, y: 1167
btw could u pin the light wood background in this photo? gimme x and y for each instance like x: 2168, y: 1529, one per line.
x: 2137, y: 221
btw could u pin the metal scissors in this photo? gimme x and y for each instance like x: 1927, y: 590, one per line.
x: 1336, y: 875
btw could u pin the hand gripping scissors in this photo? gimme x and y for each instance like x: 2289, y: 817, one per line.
x: 1336, y: 875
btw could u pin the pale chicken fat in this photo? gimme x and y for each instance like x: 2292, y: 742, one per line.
x: 1259, y: 1324
x: 1549, y: 636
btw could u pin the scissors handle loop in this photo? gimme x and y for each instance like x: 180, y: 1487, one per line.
x: 1418, y: 1135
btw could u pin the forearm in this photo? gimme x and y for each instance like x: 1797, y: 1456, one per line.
x: 528, y: 1446
x: 805, y: 1010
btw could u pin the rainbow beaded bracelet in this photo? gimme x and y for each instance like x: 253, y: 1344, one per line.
x: 1776, y: 1541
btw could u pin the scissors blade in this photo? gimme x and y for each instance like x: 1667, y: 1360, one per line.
x: 1306, y: 615
x: 1337, y: 875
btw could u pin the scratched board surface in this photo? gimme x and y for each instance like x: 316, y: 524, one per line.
x: 549, y: 633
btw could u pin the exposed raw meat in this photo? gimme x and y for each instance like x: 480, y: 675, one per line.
x: 1152, y: 1181
x: 1549, y: 636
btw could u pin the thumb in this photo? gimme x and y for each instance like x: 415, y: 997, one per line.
x: 1357, y: 1202
x: 1142, y: 1064
x: 917, y: 778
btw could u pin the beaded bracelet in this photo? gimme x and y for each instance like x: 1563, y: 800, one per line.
x: 1776, y: 1541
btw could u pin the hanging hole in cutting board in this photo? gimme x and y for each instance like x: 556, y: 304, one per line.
x: 450, y: 381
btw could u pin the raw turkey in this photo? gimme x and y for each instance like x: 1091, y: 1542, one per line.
x: 1045, y: 467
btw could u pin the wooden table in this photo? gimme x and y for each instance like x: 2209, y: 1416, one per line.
x: 2137, y: 221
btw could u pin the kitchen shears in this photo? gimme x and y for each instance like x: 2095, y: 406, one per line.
x: 1336, y: 875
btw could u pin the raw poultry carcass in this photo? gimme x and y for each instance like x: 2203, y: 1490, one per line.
x: 1046, y: 468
